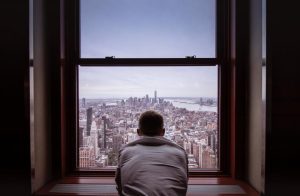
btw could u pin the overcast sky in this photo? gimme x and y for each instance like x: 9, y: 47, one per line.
x: 147, y: 29
x: 107, y: 82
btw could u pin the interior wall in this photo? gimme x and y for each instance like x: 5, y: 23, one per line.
x: 239, y: 62
x: 263, y: 98
x: 14, y: 74
x: 283, y: 98
x: 254, y: 98
x: 246, y: 54
x: 46, y: 63
x: 42, y: 128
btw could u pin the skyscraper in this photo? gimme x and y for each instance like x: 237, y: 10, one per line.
x: 89, y: 116
x: 80, y: 136
x: 94, y: 138
x: 117, y: 142
x: 155, y: 96
x: 105, y: 120
x: 83, y: 103
x: 211, y: 141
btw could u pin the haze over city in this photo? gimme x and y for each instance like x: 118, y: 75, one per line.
x: 124, y: 82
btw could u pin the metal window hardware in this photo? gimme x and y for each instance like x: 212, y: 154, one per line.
x: 110, y: 57
x: 190, y: 57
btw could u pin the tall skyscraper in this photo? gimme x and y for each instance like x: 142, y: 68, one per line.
x: 197, y: 152
x: 89, y: 116
x: 201, y: 101
x: 117, y: 142
x: 212, y: 141
x: 105, y: 122
x: 83, y: 103
x: 80, y: 136
x: 155, y: 96
x: 94, y: 138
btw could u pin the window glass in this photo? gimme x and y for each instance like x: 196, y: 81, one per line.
x: 111, y: 99
x: 147, y: 28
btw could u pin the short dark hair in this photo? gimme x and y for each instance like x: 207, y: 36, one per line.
x: 151, y: 123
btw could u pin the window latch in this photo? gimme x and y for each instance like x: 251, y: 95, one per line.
x: 110, y: 57
x: 190, y: 57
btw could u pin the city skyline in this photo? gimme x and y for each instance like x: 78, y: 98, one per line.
x: 124, y: 82
x: 106, y: 125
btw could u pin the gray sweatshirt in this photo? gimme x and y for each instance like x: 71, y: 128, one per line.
x: 152, y: 166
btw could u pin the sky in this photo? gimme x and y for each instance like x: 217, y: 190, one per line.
x: 124, y: 82
x: 147, y: 29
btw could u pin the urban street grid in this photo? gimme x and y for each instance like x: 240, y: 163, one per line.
x: 105, y: 125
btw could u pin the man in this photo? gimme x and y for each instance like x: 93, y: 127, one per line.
x: 152, y: 165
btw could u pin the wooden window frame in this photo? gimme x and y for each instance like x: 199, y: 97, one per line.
x: 69, y: 93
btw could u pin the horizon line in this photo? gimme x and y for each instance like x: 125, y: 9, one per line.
x: 149, y: 97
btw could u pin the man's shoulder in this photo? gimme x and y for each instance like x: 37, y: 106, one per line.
x: 152, y: 141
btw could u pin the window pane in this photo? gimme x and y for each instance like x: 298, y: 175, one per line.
x: 148, y: 28
x: 111, y: 100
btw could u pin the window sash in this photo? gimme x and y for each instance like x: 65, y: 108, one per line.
x: 147, y: 62
x: 220, y: 44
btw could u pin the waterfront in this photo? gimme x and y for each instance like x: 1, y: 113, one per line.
x: 191, y: 106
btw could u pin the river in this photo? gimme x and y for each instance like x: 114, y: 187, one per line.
x: 192, y: 106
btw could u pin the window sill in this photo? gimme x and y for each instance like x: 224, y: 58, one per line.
x: 106, y: 186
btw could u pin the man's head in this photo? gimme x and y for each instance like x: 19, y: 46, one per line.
x: 151, y: 124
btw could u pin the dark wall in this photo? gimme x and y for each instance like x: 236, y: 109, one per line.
x: 283, y: 98
x: 46, y: 65
x: 240, y: 39
x: 14, y: 86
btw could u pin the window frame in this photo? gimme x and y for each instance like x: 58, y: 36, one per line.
x: 70, y: 88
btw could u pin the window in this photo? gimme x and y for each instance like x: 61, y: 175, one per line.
x: 133, y: 55
x: 111, y: 100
